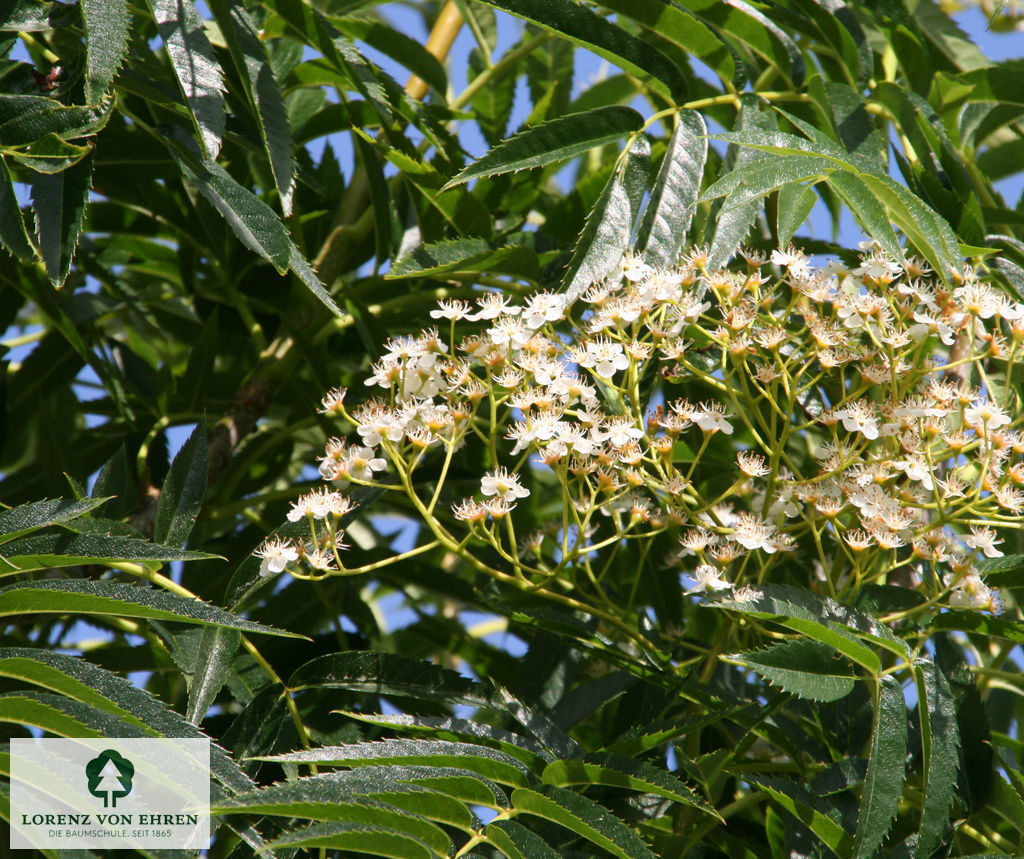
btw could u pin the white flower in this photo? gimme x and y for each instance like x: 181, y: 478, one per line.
x: 493, y: 305
x: 752, y: 533
x: 859, y: 417
x: 276, y: 554
x: 707, y: 577
x: 543, y: 307
x: 451, y: 309
x: 710, y: 417
x: 360, y: 463
x: 604, y: 356
x: 506, y: 486
x: 984, y: 539
x: 985, y: 414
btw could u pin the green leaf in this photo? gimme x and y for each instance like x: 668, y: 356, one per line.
x: 811, y: 810
x: 358, y: 837
x: 822, y: 619
x: 392, y: 674
x: 940, y: 747
x: 554, y: 141
x: 740, y: 21
x: 492, y: 764
x: 387, y: 225
x: 214, y: 662
x: 685, y: 30
x: 59, y: 201
x: 78, y: 596
x: 13, y: 235
x: 627, y: 773
x: 883, y: 785
x: 517, y: 842
x: 803, y: 667
x: 51, y: 551
x: 869, y: 212
x: 325, y: 797
x: 794, y: 207
x: 673, y: 200
x: 583, y: 816
x: 79, y: 679
x: 589, y: 30
x: 531, y: 753
x: 264, y: 95
x: 400, y: 47
x: 252, y: 220
x: 26, y: 118
x: 49, y: 154
x: 464, y: 255
x: 39, y: 514
x: 45, y: 712
x: 304, y: 272
x: 971, y: 621
x: 181, y: 496
x: 106, y: 43
x: 198, y: 73
x: 605, y: 235
x: 729, y: 229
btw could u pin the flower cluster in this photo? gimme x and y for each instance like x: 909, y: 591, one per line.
x: 763, y: 419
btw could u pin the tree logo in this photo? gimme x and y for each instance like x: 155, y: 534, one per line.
x: 110, y: 776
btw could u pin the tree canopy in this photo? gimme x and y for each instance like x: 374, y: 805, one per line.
x: 607, y: 445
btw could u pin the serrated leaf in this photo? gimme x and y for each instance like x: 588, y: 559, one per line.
x: 811, y: 810
x: 183, y: 490
x: 738, y: 20
x: 49, y: 154
x: 214, y: 662
x: 26, y: 118
x: 327, y: 798
x: 795, y: 204
x: 45, y: 712
x: 606, y: 232
x: 462, y: 255
x: 554, y: 141
x: 58, y: 202
x: 263, y: 93
x: 492, y: 764
x: 304, y: 272
x: 729, y: 229
x: 77, y: 678
x: 13, y: 235
x: 392, y: 674
x: 51, y: 551
x: 583, y: 816
x: 803, y: 667
x: 255, y: 224
x: 517, y: 842
x: 195, y: 67
x: 623, y: 772
x: 971, y: 621
x: 822, y: 619
x: 674, y: 194
x: 940, y: 746
x: 589, y: 30
x: 358, y: 837
x: 106, y: 43
x: 531, y: 753
x: 78, y: 596
x: 686, y: 30
x: 883, y: 784
x: 26, y: 518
